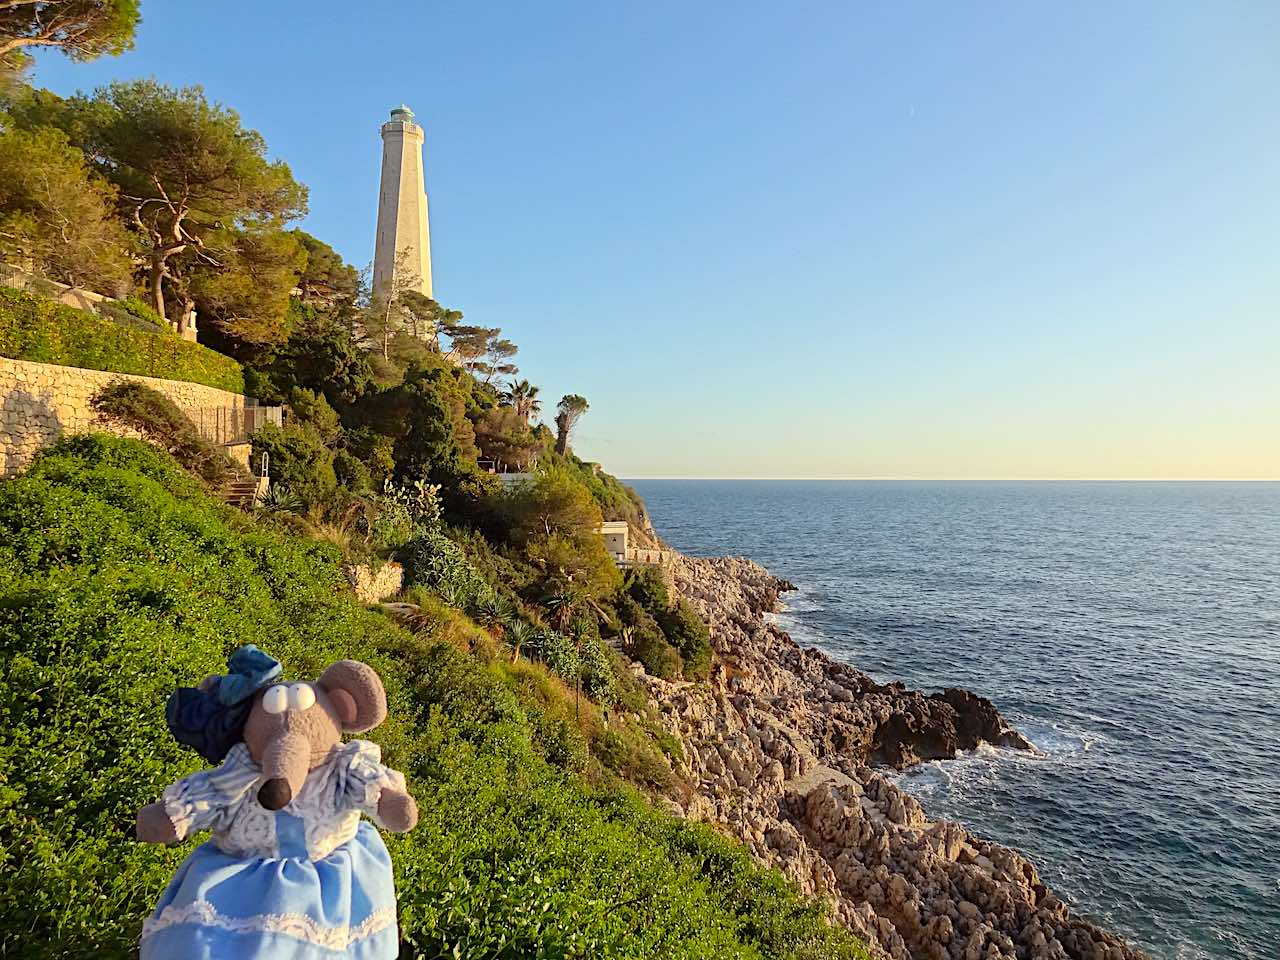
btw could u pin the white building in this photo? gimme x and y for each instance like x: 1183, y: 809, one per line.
x: 615, y: 538
x: 404, y: 236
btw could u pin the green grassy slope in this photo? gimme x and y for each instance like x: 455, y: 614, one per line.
x: 120, y: 579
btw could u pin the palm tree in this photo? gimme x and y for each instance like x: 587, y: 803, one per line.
x: 523, y: 396
x: 570, y: 410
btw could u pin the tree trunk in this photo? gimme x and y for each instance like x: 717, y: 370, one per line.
x: 157, y: 289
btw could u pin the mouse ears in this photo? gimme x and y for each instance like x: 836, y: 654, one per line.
x: 357, y: 694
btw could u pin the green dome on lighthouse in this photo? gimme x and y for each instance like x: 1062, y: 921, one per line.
x: 402, y: 112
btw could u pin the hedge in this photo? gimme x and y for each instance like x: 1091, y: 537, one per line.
x: 120, y: 578
x: 44, y: 331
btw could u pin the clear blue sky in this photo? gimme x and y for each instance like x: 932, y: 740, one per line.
x: 937, y: 240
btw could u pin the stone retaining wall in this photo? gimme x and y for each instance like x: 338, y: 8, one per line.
x: 39, y: 402
x: 372, y: 585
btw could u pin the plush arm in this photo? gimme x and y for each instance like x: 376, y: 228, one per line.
x: 376, y: 790
x: 397, y: 810
x: 196, y: 802
x: 154, y: 825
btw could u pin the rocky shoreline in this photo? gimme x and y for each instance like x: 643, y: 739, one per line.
x: 781, y: 747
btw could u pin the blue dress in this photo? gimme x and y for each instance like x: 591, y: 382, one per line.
x: 309, y: 882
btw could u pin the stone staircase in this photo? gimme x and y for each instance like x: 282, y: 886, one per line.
x: 245, y: 490
x: 242, y: 493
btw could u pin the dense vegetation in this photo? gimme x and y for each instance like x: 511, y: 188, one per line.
x: 120, y: 577
x: 529, y: 743
x: 36, y: 328
x: 82, y: 30
x: 153, y: 416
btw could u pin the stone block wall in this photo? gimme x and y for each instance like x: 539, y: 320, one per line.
x: 372, y: 585
x: 39, y: 402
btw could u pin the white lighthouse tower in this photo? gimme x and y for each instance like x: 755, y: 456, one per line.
x: 404, y: 238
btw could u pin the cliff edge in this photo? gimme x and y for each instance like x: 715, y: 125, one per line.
x: 780, y: 746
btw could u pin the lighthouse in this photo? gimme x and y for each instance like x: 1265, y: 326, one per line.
x: 403, y: 244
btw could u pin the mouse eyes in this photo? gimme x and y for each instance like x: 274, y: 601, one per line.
x: 301, y: 696
x: 282, y: 697
x: 276, y: 699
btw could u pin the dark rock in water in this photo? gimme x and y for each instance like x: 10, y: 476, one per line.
x: 937, y: 727
x: 978, y: 721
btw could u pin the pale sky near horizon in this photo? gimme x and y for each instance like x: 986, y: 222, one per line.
x: 815, y: 239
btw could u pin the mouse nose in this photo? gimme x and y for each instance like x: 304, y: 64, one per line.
x: 275, y: 793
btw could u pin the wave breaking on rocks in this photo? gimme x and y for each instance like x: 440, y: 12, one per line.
x: 781, y: 746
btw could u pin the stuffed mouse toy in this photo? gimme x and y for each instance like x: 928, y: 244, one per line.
x: 292, y: 870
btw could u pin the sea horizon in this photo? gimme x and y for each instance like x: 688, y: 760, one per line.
x: 1127, y: 628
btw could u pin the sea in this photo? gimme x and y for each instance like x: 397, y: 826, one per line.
x: 1131, y: 630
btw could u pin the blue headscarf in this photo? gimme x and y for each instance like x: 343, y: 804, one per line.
x: 212, y: 721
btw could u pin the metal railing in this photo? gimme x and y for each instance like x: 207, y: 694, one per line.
x: 226, y: 424
x: 258, y: 417
x: 11, y: 276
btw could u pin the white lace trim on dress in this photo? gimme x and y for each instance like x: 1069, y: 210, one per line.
x: 296, y: 925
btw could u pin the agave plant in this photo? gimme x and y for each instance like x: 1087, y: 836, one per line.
x: 279, y: 499
x: 519, y: 634
x: 494, y: 613
x: 451, y: 594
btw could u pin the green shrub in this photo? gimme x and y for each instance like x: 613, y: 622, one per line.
x: 629, y: 692
x: 390, y: 524
x: 647, y: 588
x: 560, y: 741
x: 506, y: 569
x: 351, y: 472
x: 298, y: 458
x: 594, y: 664
x: 633, y: 760
x: 117, y: 312
x: 41, y: 330
x: 121, y: 579
x: 558, y: 652
x: 686, y: 632
x: 374, y: 450
x: 553, y: 501
x: 311, y: 408
x: 645, y: 641
x: 616, y: 500
x: 435, y: 561
x: 320, y: 354
x: 630, y: 613
x: 158, y: 419
x: 660, y: 658
x: 142, y: 311
x: 647, y: 605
